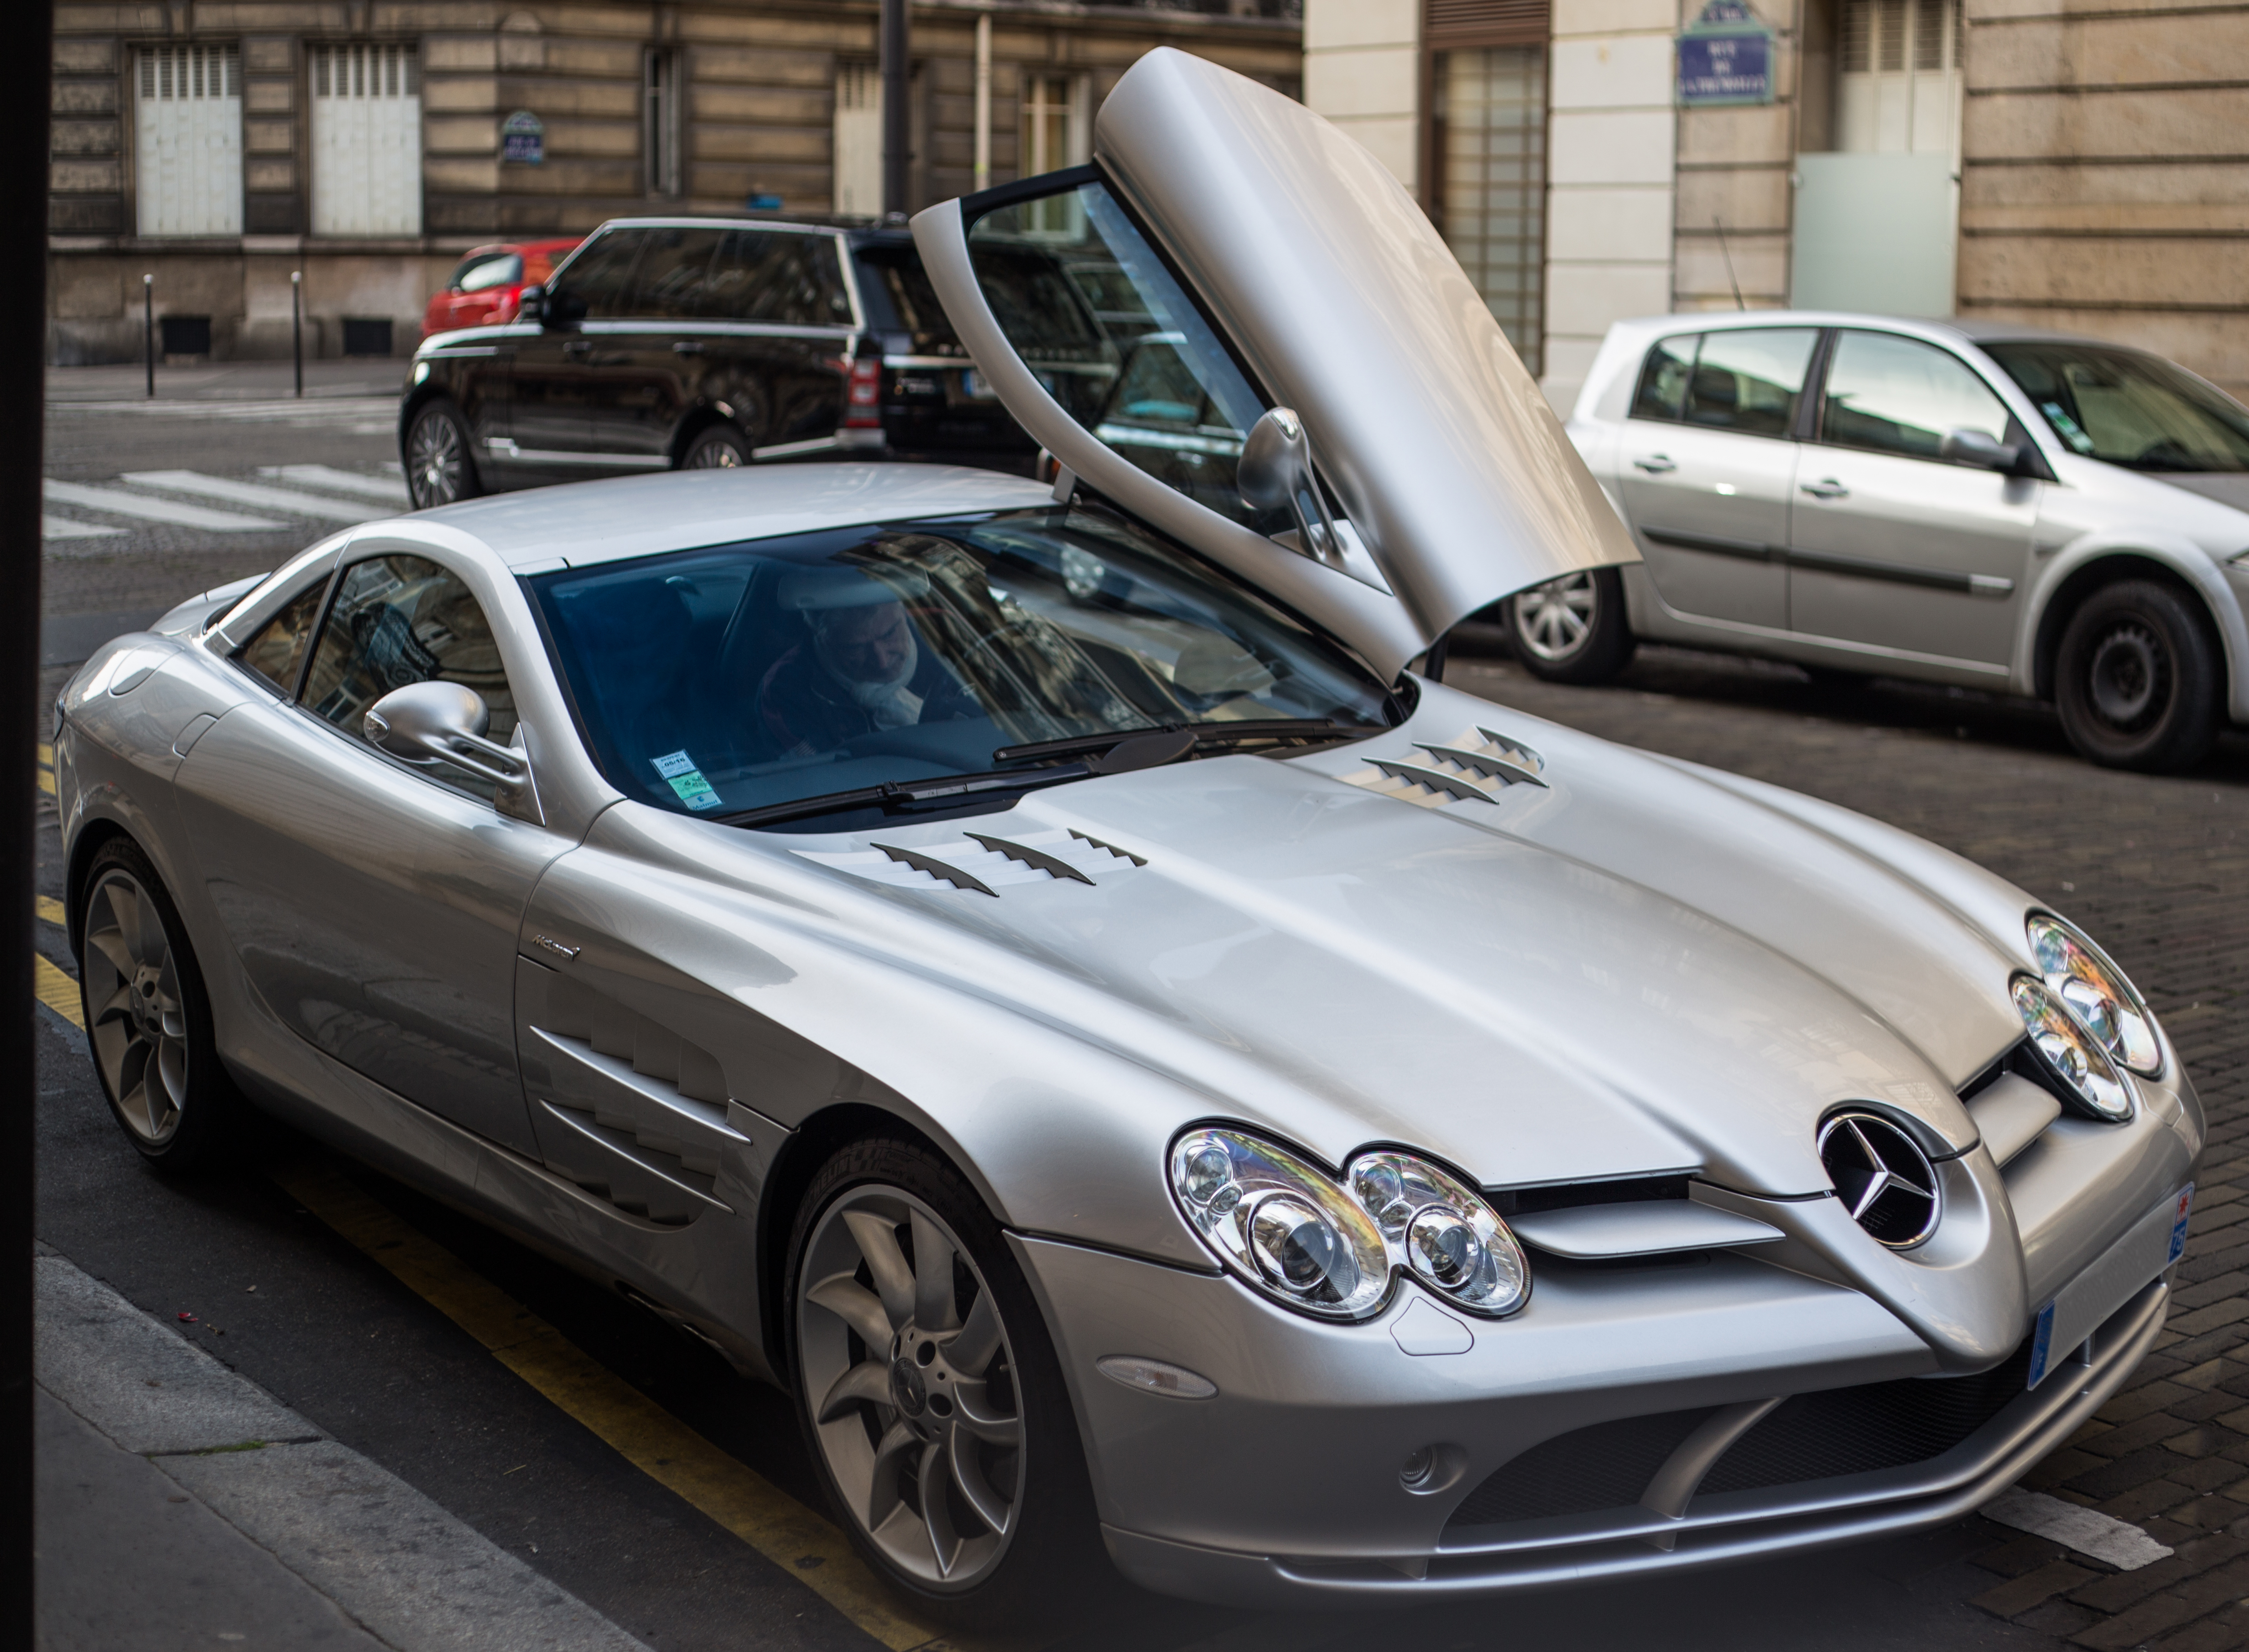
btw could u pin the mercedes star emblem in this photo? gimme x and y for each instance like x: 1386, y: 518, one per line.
x: 1882, y: 1176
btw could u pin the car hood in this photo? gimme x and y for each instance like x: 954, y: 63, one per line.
x: 2227, y: 487
x: 1628, y: 969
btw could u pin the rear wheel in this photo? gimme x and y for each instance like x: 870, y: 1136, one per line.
x: 929, y: 1393
x: 148, y: 1019
x: 1571, y: 629
x: 720, y: 448
x: 2138, y: 679
x: 439, y: 467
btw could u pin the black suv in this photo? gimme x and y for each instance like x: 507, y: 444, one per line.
x: 671, y: 343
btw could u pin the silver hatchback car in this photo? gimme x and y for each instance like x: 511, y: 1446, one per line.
x: 1961, y: 502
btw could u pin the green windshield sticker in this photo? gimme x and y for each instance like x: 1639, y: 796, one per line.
x: 2070, y: 430
x: 686, y: 780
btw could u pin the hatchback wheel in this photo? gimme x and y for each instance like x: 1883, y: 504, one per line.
x: 720, y: 448
x: 439, y: 469
x: 2138, y: 680
x: 929, y: 1391
x: 1571, y: 629
x: 148, y: 1019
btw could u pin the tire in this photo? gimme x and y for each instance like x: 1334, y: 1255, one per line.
x: 2138, y: 679
x: 720, y: 448
x: 440, y: 467
x: 1572, y: 630
x: 148, y: 1019
x: 884, y: 1378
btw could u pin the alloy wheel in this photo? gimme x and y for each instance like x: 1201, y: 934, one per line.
x: 135, y: 1008
x: 1553, y: 620
x: 910, y: 1383
x: 435, y: 460
x: 715, y: 453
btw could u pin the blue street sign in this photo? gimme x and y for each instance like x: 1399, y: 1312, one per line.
x: 1725, y: 56
x: 523, y: 137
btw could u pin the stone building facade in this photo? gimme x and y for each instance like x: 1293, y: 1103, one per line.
x: 218, y: 146
x: 2076, y: 164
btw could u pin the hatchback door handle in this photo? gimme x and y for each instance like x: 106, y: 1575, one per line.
x: 1829, y: 489
x: 1656, y: 463
x: 687, y: 347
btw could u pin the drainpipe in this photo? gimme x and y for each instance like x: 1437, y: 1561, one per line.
x: 896, y: 146
x: 983, y: 174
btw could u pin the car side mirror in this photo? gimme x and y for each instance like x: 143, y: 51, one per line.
x: 1974, y: 447
x: 1276, y: 470
x: 563, y: 308
x: 530, y: 304
x: 446, y: 722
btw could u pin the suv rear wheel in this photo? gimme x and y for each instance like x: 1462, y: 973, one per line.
x: 439, y: 467
x: 2138, y: 679
x: 1571, y: 629
x: 720, y: 448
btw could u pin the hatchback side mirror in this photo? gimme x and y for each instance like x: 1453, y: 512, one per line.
x: 1974, y: 447
x: 1276, y: 470
x: 446, y: 721
x: 530, y: 304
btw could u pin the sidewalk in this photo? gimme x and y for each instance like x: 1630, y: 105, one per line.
x: 227, y: 381
x: 179, y: 1504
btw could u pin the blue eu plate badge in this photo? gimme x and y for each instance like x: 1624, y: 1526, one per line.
x: 2042, y: 1335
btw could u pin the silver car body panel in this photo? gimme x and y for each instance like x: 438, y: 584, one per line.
x: 623, y: 1032
x: 2194, y: 525
x: 1349, y: 307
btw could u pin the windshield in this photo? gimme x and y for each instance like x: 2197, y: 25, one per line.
x: 746, y: 676
x: 2128, y: 407
x: 898, y: 297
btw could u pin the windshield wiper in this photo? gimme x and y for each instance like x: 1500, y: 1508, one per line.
x: 896, y: 795
x: 1281, y: 728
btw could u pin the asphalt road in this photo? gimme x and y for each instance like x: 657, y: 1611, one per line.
x: 339, y: 1339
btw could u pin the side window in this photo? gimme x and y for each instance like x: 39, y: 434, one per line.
x: 673, y: 277
x: 1899, y: 396
x: 397, y: 620
x: 793, y: 280
x: 600, y: 277
x: 279, y: 647
x: 1663, y: 378
x: 1751, y: 380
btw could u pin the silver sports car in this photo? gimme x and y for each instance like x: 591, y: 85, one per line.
x: 1050, y: 976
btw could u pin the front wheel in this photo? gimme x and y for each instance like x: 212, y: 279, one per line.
x: 1572, y: 630
x: 2138, y: 679
x: 440, y: 470
x: 148, y: 1019
x: 930, y: 1394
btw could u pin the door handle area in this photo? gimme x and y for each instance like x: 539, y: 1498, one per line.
x: 1656, y: 463
x: 1829, y: 489
x: 577, y: 347
x: 687, y: 347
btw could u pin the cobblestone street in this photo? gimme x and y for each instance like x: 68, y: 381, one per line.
x: 2157, y: 870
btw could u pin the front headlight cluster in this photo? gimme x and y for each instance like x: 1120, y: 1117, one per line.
x: 1285, y: 1227
x: 2086, y: 1019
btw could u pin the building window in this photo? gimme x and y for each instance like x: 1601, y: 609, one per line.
x: 1488, y: 157
x: 1058, y: 131
x: 858, y: 140
x: 1898, y: 92
x: 367, y: 140
x: 660, y: 120
x: 188, y: 139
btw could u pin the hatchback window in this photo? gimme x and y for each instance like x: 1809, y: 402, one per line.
x: 600, y: 277
x: 1751, y: 380
x: 397, y: 620
x: 2129, y: 408
x: 1145, y: 371
x: 279, y: 647
x: 1899, y: 396
x: 488, y: 270
x: 1663, y: 378
x: 900, y: 300
x: 746, y: 676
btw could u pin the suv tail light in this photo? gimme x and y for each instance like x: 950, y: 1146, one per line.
x: 862, y: 400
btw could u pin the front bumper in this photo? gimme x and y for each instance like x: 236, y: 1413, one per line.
x: 1286, y: 1489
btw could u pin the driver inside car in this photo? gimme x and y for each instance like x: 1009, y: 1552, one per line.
x: 860, y: 668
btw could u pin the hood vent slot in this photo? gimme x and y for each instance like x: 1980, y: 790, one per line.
x: 981, y: 863
x: 1475, y: 766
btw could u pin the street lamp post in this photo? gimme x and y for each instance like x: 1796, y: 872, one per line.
x: 895, y: 71
x: 149, y: 330
x: 297, y: 324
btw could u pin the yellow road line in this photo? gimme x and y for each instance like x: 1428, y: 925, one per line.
x: 647, y: 1436
x: 47, y: 754
x: 47, y: 910
x: 56, y: 991
x: 47, y: 781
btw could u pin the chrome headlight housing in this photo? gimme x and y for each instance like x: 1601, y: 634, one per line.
x: 2097, y: 992
x: 1284, y: 1227
x: 2071, y: 1050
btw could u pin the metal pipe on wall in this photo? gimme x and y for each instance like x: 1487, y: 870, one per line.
x: 896, y: 148
x: 983, y: 173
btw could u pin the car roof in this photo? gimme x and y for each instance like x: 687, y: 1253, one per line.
x: 1964, y: 330
x: 858, y: 231
x: 583, y: 523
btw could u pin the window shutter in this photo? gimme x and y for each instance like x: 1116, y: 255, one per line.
x: 1449, y: 23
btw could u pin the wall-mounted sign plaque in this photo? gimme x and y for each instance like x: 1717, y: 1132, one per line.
x: 1725, y: 56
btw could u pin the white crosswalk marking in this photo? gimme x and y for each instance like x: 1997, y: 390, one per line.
x: 389, y: 489
x: 61, y: 527
x: 313, y: 410
x: 271, y: 498
x: 116, y: 502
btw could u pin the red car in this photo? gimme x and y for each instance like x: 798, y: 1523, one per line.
x: 485, y: 285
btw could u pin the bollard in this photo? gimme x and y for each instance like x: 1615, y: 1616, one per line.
x: 297, y: 324
x: 149, y: 329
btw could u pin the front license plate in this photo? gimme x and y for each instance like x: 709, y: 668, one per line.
x: 2155, y: 1242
